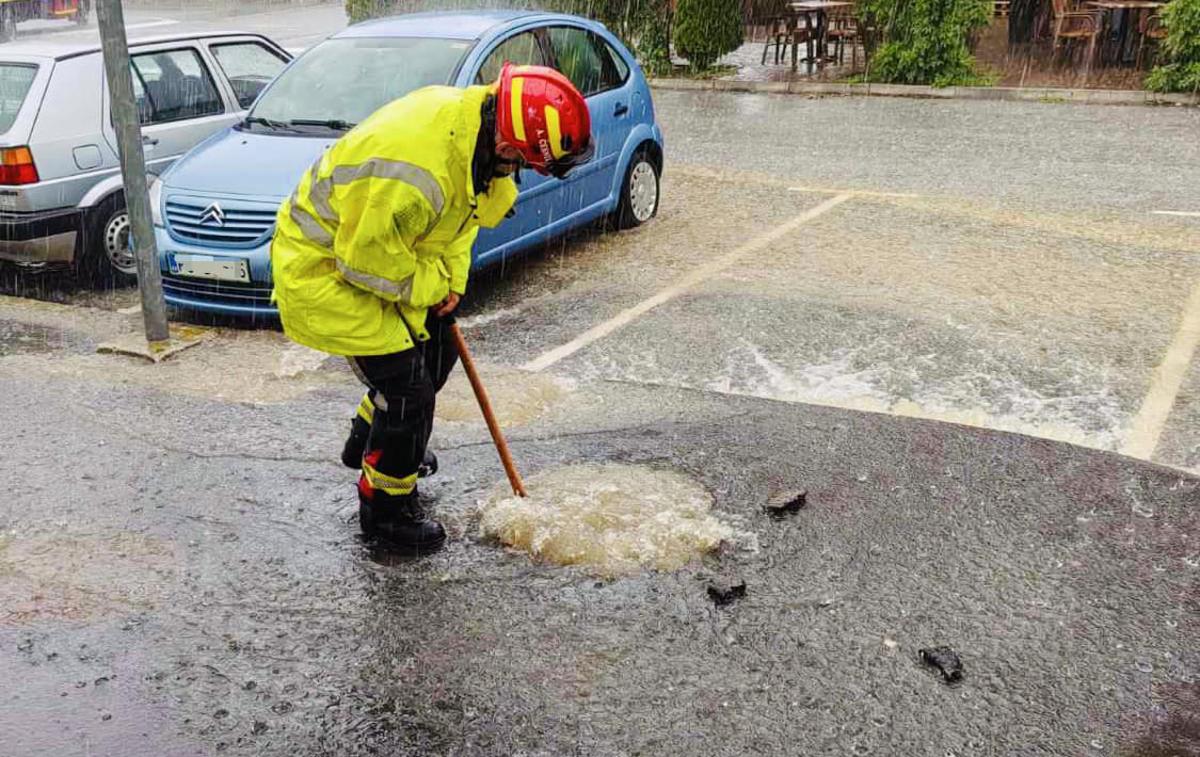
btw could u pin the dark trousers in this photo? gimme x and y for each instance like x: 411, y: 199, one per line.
x: 403, y: 387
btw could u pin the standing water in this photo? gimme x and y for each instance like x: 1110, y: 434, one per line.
x: 612, y: 519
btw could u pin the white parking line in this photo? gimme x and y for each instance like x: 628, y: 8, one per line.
x: 705, y: 271
x: 855, y: 192
x: 1165, y: 383
x: 1184, y: 213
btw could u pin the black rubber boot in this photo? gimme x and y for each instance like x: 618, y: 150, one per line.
x: 400, y: 522
x: 356, y: 443
x: 428, y: 466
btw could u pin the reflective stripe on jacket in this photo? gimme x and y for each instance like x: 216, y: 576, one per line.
x: 381, y: 227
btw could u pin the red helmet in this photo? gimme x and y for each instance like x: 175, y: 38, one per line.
x: 539, y: 112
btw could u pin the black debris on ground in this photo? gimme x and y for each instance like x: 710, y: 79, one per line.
x: 945, y: 660
x: 724, y: 594
x: 783, y: 504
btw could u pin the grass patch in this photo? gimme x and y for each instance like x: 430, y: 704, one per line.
x: 715, y: 72
x: 982, y: 77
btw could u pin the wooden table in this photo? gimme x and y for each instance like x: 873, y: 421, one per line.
x: 816, y: 15
x: 1120, y: 45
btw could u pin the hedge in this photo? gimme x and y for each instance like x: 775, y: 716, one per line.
x: 707, y: 29
x: 1181, y: 50
x: 924, y: 41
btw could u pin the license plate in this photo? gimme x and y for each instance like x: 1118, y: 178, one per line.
x: 209, y: 267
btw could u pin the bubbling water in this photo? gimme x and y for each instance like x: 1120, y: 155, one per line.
x: 610, y: 519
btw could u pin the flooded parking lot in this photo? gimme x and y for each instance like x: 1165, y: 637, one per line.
x: 196, y: 585
x: 226, y: 614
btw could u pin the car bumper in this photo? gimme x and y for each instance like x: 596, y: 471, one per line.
x: 247, y: 300
x: 44, y: 237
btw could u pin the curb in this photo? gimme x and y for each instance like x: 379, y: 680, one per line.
x: 1006, y: 94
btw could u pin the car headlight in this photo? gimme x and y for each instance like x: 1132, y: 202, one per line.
x: 156, y: 188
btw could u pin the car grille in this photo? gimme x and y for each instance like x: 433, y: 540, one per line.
x: 222, y: 293
x: 243, y: 226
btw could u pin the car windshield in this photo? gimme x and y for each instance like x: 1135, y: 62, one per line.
x: 342, y: 81
x: 15, y: 80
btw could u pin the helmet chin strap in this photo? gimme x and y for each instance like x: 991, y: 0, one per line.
x: 502, y: 167
x: 486, y: 165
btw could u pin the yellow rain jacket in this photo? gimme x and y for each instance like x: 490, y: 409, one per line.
x: 381, y: 227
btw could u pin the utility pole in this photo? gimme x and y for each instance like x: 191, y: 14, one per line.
x: 111, y: 20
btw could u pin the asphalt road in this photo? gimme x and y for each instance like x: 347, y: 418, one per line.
x: 181, y: 576
x: 828, y: 283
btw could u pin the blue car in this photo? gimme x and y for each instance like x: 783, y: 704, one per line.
x: 214, y: 209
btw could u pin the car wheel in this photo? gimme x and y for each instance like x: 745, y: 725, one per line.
x: 639, y: 195
x: 107, y: 257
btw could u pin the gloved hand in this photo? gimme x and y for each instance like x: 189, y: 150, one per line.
x: 447, y: 306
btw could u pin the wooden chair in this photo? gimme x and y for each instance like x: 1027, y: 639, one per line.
x: 788, y: 31
x: 803, y: 33
x: 1152, y: 30
x: 777, y: 20
x: 779, y: 32
x: 843, y: 30
x: 1072, y: 27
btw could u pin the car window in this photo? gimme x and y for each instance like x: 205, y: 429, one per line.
x: 349, y: 79
x: 174, y: 85
x: 578, y: 56
x: 15, y: 80
x: 249, y: 67
x: 522, y: 50
x: 145, y: 114
x: 620, y: 67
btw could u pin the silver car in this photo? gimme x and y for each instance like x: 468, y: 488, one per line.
x: 61, y: 201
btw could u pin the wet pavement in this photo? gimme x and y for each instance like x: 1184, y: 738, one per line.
x: 195, y: 586
x: 17, y: 337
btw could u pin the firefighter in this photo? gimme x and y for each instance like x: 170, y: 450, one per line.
x: 372, y: 251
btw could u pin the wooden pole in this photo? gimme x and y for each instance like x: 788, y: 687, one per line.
x: 111, y: 20
x: 489, y: 415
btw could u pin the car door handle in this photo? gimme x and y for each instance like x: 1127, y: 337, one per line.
x: 621, y: 109
x: 151, y: 141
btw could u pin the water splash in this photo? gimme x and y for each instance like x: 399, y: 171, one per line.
x: 611, y: 519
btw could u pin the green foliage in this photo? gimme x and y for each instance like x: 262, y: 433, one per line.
x: 1174, y: 77
x: 1181, y: 49
x: 707, y: 29
x: 653, y: 45
x: 361, y: 10
x: 925, y: 41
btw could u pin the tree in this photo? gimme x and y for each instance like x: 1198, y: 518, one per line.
x: 705, y: 30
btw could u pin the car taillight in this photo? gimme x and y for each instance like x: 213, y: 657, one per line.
x: 16, y: 166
